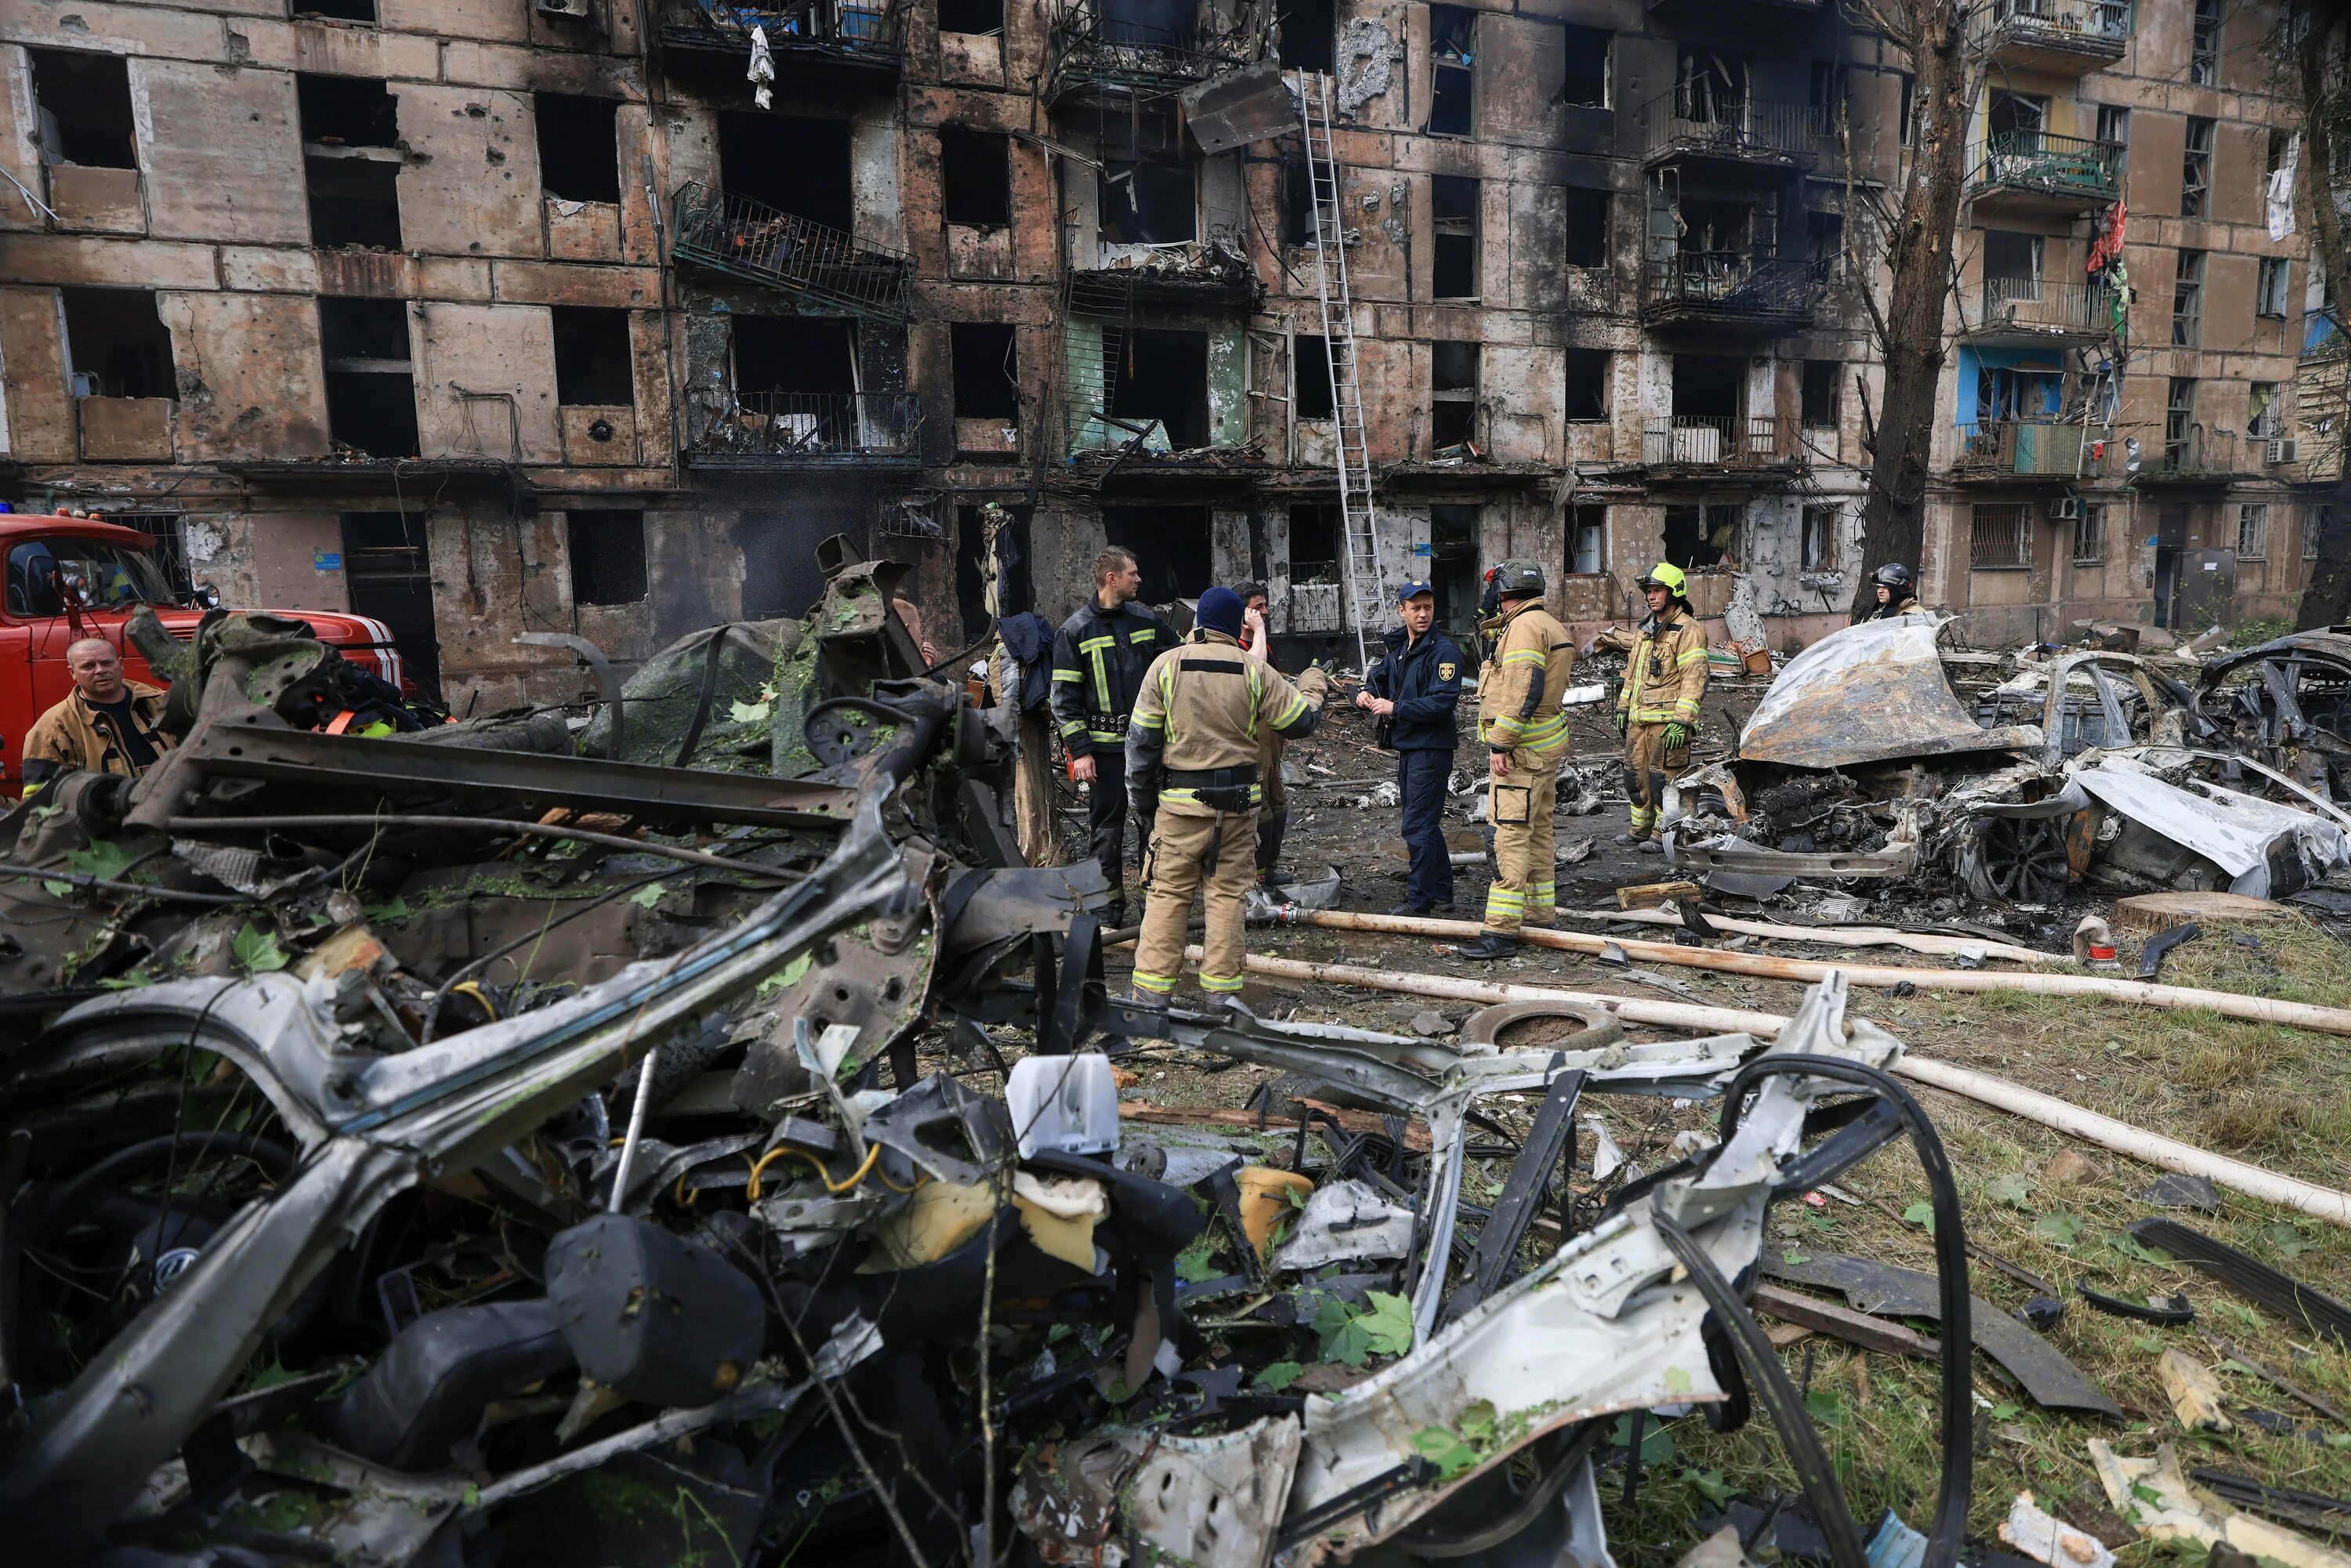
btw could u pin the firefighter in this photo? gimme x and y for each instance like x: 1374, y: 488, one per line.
x: 1520, y: 692
x: 1099, y: 657
x: 1656, y: 711
x: 105, y: 724
x: 1897, y: 592
x: 1274, y: 815
x: 1192, y: 769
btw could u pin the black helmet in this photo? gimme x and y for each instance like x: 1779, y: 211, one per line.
x: 1515, y: 577
x: 1892, y: 574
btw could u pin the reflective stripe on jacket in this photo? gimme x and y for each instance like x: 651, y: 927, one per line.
x: 1099, y: 657
x: 1666, y: 676
x: 1204, y: 706
x: 1523, y: 689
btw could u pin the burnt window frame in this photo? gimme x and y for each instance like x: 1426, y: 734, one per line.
x: 1452, y: 84
x: 566, y: 120
x: 1454, y: 229
x: 121, y: 134
x: 958, y: 143
x: 585, y: 366
x: 1600, y: 365
x: 633, y: 568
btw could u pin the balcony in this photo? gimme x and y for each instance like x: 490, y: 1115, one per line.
x: 1721, y: 443
x: 2027, y: 311
x: 2033, y: 172
x: 783, y: 430
x: 1098, y: 60
x: 1741, y: 290
x: 1694, y: 125
x: 2197, y: 457
x: 756, y: 243
x: 2012, y: 449
x: 2056, y: 38
x: 812, y: 43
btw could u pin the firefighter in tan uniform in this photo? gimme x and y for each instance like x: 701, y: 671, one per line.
x: 1191, y: 750
x: 1521, y: 692
x: 1656, y: 711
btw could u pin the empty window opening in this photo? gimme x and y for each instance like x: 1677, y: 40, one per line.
x: 1822, y: 380
x: 1709, y: 386
x: 1170, y: 545
x: 1297, y: 201
x: 1586, y: 84
x: 2204, y: 44
x: 336, y: 10
x: 1452, y: 56
x: 608, y: 555
x: 978, y: 16
x: 1819, y: 546
x: 2270, y: 289
x: 593, y: 365
x: 1587, y: 540
x: 370, y: 390
x: 2000, y: 538
x: 1311, y: 360
x: 2264, y: 413
x: 388, y: 569
x: 1587, y: 383
x: 2188, y: 298
x: 1163, y: 375
x: 1699, y: 536
x: 1452, y: 394
x: 2003, y: 392
x: 83, y: 107
x: 579, y: 147
x: 789, y: 163
x: 1148, y: 201
x: 1830, y: 86
x: 1709, y: 87
x: 1453, y: 563
x: 116, y: 344
x: 351, y: 162
x: 1825, y: 241
x: 2196, y: 168
x: 2113, y: 129
x: 2016, y: 114
x: 803, y: 355
x: 1314, y: 542
x: 1308, y: 34
x: 2011, y: 266
x: 1586, y: 224
x: 346, y: 111
x: 1453, y: 202
x: 986, y: 385
x: 976, y: 173
x: 1715, y: 240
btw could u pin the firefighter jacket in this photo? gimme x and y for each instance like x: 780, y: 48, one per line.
x: 1666, y: 676
x: 1198, y: 722
x: 1423, y: 679
x: 76, y: 734
x: 1523, y: 689
x: 1907, y: 605
x: 1099, y: 657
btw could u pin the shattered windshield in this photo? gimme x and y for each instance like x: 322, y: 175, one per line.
x: 43, y: 573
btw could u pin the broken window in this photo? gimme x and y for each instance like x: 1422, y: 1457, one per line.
x: 980, y: 16
x: 2187, y: 300
x: 2252, y: 530
x: 2196, y: 167
x: 1822, y: 382
x: 116, y: 344
x: 1148, y: 201
x: 1297, y: 201
x: 2014, y: 121
x: 593, y: 364
x: 1588, y: 75
x: 2204, y: 44
x: 608, y: 555
x: 1587, y: 228
x: 1587, y: 540
x: 793, y: 357
x: 2269, y: 287
x: 1587, y: 383
x: 1170, y: 545
x: 2011, y: 266
x: 1452, y: 394
x: 2179, y: 419
x: 986, y: 383
x: 1313, y: 541
x: 1825, y: 241
x: 2263, y: 413
x: 2090, y: 535
x: 1309, y: 360
x: 2005, y: 393
x: 1818, y: 549
x: 1453, y: 204
x: 976, y: 177
x: 2113, y: 129
x: 82, y: 105
x: 579, y: 147
x: 1452, y: 56
x: 350, y: 161
x: 1828, y: 87
x: 1700, y: 537
x: 388, y: 571
x: 791, y: 162
x: 1163, y: 375
x: 336, y: 10
x: 1308, y: 35
x: 2000, y: 536
x: 1709, y: 87
x: 370, y: 389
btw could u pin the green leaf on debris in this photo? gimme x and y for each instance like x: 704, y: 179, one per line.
x: 2057, y: 1229
x: 258, y: 951
x: 2003, y: 1412
x: 1824, y: 1405
x: 104, y: 860
x: 1824, y: 1223
x: 786, y: 976
x: 57, y: 889
x: 1790, y: 1255
x: 1279, y: 1376
x: 1451, y: 1456
x: 1921, y: 1213
x: 646, y: 896
x: 2013, y: 1190
x: 394, y: 908
x: 2289, y: 1241
x: 1709, y: 1485
x: 1198, y: 1261
x: 2243, y: 1313
x: 1656, y: 1443
x: 1354, y: 1335
x: 2131, y: 1246
x: 749, y: 713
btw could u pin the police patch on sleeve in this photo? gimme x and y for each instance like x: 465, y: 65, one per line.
x: 1446, y: 670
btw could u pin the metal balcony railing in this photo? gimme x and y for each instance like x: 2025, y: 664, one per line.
x: 2031, y: 306
x: 751, y: 240
x: 1719, y: 441
x: 2035, y: 163
x: 1089, y: 49
x: 2198, y: 454
x: 870, y: 32
x: 1729, y: 287
x: 1696, y: 121
x: 2019, y: 448
x: 2100, y: 27
x: 782, y: 429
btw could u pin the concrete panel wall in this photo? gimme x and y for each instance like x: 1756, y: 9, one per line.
x: 32, y: 343
x: 221, y: 151
x: 485, y: 383
x: 470, y: 185
x: 250, y: 379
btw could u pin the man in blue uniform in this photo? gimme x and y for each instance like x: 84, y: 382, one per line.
x: 1413, y: 690
x: 1099, y: 657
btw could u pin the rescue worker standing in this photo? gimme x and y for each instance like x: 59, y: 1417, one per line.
x: 105, y: 724
x: 1656, y: 711
x: 1273, y: 814
x: 1099, y: 657
x: 1192, y: 753
x: 1412, y: 690
x: 1522, y: 691
x: 1897, y: 592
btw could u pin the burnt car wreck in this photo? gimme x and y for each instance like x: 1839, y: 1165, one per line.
x: 535, y: 1159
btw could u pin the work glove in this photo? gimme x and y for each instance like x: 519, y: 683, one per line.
x: 1677, y: 736
x: 1624, y: 720
x: 1314, y: 683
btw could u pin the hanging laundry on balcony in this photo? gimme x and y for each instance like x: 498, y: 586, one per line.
x: 762, y: 71
x: 2281, y: 190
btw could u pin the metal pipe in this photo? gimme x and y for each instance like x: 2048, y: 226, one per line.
x: 203, y: 826
x: 636, y: 1126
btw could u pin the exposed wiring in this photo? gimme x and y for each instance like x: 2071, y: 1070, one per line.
x: 873, y: 1157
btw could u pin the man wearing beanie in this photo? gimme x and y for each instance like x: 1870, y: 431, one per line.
x: 1192, y: 753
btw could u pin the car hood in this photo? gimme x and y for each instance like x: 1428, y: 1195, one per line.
x: 1873, y: 692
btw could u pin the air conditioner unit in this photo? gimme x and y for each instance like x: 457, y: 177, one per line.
x: 2065, y: 508
x: 569, y: 10
x: 2285, y: 449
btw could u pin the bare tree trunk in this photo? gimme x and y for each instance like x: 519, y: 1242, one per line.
x: 1918, y: 251
x: 2319, y: 57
